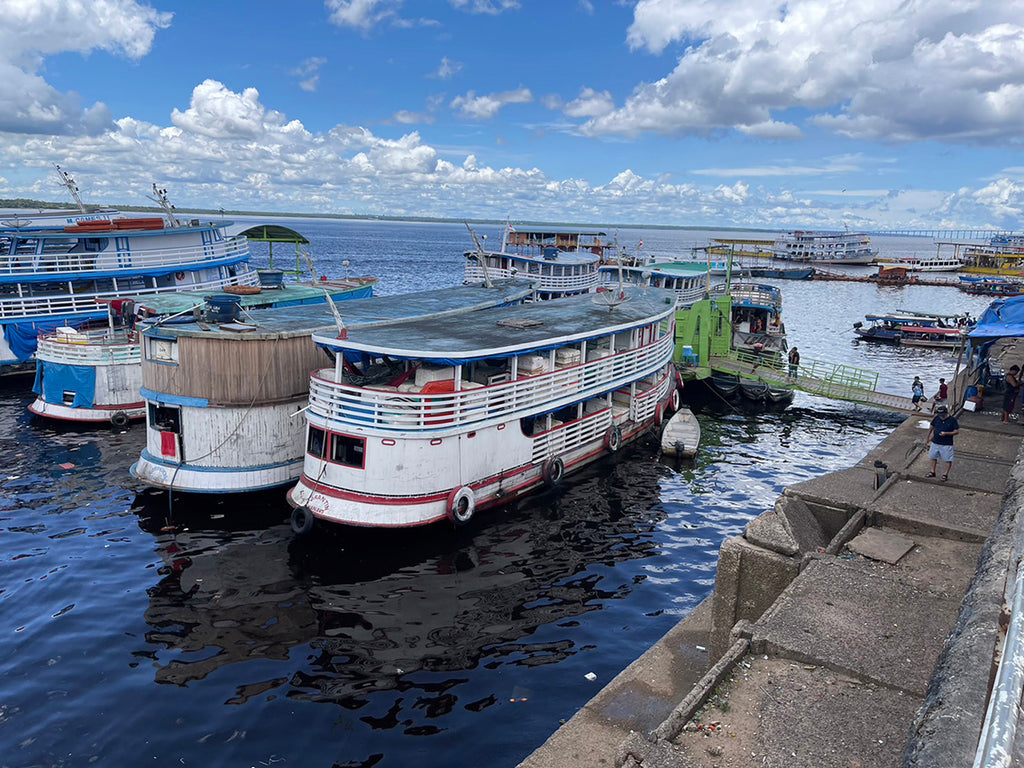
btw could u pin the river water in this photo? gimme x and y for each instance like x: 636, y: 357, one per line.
x: 138, y: 630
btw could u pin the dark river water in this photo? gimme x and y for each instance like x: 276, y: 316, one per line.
x: 138, y: 630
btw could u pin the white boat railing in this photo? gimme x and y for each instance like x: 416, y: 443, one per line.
x: 90, y: 348
x: 565, y: 437
x: 561, y: 283
x: 765, y: 295
x: 85, y: 304
x: 113, y: 260
x: 382, y: 408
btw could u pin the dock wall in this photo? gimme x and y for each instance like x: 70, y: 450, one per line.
x: 921, y: 631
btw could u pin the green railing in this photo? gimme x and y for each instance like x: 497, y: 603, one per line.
x: 815, y: 376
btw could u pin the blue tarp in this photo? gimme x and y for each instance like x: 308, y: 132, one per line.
x: 21, y: 337
x: 1004, y: 317
x: 54, y: 379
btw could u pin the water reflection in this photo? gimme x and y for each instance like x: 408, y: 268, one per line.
x: 372, y: 609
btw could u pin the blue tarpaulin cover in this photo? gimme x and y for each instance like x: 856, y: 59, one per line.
x: 21, y: 337
x: 1004, y: 317
x: 54, y: 379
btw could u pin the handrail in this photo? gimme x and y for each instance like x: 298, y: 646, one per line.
x: 381, y: 409
x: 121, y: 261
x: 30, y: 307
x: 580, y: 282
x: 110, y: 349
x: 816, y: 375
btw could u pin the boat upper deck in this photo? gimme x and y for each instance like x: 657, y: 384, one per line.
x: 288, y: 322
x: 163, y: 304
x: 510, y: 330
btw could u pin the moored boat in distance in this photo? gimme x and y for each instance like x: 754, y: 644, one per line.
x: 562, y: 262
x: 93, y: 374
x: 821, y: 247
x: 65, y: 275
x: 223, y: 400
x: 689, y: 281
x: 992, y: 286
x: 437, y: 418
x: 937, y: 263
x: 920, y: 329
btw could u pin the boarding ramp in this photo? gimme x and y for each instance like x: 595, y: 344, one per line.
x: 839, y: 382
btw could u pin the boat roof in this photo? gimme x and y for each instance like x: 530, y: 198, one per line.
x: 287, y: 322
x: 176, y: 302
x: 266, y: 233
x: 506, y: 331
x: 60, y: 233
x: 548, y: 231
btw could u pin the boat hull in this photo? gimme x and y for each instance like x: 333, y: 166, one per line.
x: 493, y: 490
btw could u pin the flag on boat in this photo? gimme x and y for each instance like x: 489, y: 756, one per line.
x: 640, y: 244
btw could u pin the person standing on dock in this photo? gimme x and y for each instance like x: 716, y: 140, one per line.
x: 794, y: 362
x: 940, y: 396
x: 1011, y: 386
x: 941, y: 432
x: 917, y: 390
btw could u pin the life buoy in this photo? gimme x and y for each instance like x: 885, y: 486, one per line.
x: 613, y: 438
x: 179, y: 276
x: 675, y: 399
x: 461, y: 505
x: 553, y: 472
x: 302, y: 520
x: 119, y: 419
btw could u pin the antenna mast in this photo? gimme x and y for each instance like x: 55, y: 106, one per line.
x: 159, y: 197
x: 69, y: 184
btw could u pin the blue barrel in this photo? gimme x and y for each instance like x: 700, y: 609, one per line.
x: 972, y: 392
x: 270, y: 278
x: 222, y: 307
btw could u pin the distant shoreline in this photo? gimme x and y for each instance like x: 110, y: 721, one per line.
x: 38, y: 205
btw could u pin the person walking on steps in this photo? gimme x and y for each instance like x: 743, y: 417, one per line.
x: 1011, y: 386
x: 941, y: 396
x: 794, y: 362
x: 917, y: 390
x: 941, y: 432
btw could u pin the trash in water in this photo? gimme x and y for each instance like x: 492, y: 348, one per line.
x: 590, y: 676
x: 66, y: 465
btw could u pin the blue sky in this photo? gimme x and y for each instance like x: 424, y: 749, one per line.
x: 807, y: 113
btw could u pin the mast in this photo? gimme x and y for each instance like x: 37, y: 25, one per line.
x: 69, y: 184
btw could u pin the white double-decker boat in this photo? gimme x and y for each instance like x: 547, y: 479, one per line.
x: 561, y: 262
x: 437, y: 418
x: 60, y: 276
x: 821, y: 247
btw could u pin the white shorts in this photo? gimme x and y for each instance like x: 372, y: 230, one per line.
x: 941, y: 452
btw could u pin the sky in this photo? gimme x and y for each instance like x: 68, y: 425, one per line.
x: 875, y: 114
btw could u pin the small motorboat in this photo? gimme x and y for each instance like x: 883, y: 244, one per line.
x: 681, y: 435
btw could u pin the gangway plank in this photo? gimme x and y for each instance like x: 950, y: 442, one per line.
x: 839, y: 382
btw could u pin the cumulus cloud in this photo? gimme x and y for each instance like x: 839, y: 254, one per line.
x: 883, y: 70
x: 361, y: 14
x: 220, y: 113
x: 31, y: 31
x: 485, y: 107
x: 590, y: 103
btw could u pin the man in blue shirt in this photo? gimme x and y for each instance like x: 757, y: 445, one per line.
x: 940, y: 433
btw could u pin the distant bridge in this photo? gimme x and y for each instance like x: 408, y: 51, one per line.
x: 949, y: 234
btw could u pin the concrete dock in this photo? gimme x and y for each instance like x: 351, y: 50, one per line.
x: 855, y: 624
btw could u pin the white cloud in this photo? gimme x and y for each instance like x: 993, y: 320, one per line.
x: 31, y: 30
x: 229, y: 149
x: 406, y: 117
x: 447, y: 69
x: 220, y: 113
x: 485, y: 107
x: 590, y: 103
x: 361, y: 14
x: 492, y: 7
x: 309, y: 72
x: 883, y: 70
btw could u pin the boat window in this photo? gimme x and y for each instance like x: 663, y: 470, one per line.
x: 162, y: 350
x: 165, y: 418
x: 95, y: 244
x: 347, y: 450
x: 315, y: 442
